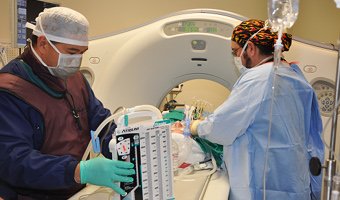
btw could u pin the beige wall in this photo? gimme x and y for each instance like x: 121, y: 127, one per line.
x: 5, y: 21
x: 318, y: 19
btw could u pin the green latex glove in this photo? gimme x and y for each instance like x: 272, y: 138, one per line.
x: 104, y: 172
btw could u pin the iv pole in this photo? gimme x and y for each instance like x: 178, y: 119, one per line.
x: 331, y: 162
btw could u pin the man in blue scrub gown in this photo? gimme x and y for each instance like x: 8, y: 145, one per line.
x: 277, y: 164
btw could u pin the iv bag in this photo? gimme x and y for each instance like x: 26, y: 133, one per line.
x: 337, y: 2
x: 282, y: 13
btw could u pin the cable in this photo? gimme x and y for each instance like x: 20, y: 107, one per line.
x: 191, y: 176
x: 3, y: 56
x: 2, y: 60
x: 268, y: 140
x: 277, y: 60
x: 110, y: 119
x: 109, y: 127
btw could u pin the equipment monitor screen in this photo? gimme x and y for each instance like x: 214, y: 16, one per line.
x: 26, y: 11
x: 198, y: 26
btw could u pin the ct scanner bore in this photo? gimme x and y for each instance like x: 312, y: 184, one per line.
x: 197, y: 90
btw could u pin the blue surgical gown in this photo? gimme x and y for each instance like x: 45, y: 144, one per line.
x: 242, y: 122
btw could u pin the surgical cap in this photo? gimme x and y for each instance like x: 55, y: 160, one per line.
x: 265, y: 38
x: 62, y: 25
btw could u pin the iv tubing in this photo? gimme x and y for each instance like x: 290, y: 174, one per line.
x: 277, y: 59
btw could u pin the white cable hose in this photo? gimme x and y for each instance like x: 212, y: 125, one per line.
x: 146, y: 108
x: 99, y: 129
x: 137, y: 114
x: 106, y: 121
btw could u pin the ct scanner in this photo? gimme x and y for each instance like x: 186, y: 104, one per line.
x: 141, y: 65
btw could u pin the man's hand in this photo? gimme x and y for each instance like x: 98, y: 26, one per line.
x: 104, y: 172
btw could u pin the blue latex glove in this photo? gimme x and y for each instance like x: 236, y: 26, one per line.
x: 104, y: 172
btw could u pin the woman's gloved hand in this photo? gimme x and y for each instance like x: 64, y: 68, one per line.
x: 104, y: 172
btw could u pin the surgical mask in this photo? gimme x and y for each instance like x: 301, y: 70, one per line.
x: 239, y: 66
x: 67, y: 64
x: 238, y: 62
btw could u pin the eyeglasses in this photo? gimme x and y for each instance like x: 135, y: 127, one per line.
x: 234, y: 51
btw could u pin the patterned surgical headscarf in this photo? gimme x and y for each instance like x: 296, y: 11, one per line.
x: 265, y: 39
